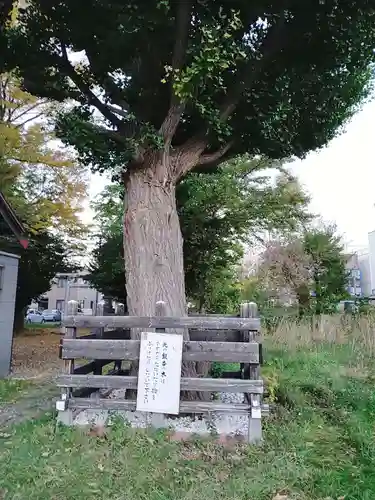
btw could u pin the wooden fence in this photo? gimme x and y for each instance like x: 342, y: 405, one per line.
x: 212, y: 338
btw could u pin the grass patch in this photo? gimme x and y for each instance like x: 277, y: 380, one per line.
x: 11, y: 390
x: 319, y: 443
x: 41, y: 326
x: 218, y: 369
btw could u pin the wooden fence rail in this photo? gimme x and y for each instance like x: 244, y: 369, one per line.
x: 226, y: 352
x: 187, y: 384
x: 198, y: 322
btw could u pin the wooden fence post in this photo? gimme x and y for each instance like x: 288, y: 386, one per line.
x: 249, y: 310
x: 98, y: 369
x: 160, y: 310
x: 65, y: 415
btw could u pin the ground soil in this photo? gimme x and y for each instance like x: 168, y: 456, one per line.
x: 36, y: 354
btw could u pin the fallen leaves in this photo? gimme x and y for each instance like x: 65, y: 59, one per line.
x: 36, y: 354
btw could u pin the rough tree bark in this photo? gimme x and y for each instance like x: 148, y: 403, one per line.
x: 153, y: 247
x: 153, y: 243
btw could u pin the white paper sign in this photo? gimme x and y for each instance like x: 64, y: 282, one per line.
x: 159, y: 375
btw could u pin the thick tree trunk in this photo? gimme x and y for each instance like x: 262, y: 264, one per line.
x: 19, y: 321
x: 303, y: 295
x: 153, y: 248
x: 153, y: 244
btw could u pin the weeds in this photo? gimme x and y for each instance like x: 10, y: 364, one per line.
x: 11, y: 389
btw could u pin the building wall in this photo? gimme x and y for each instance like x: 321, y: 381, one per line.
x: 72, y: 287
x: 8, y: 287
x: 371, y: 242
x: 354, y: 275
x: 364, y: 267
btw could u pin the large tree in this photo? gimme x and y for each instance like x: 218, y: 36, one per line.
x: 163, y: 87
x: 219, y: 213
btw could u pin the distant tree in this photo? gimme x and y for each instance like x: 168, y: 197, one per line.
x: 329, y: 274
x: 166, y: 87
x: 312, y: 263
x: 6, y: 8
x: 286, y: 268
x: 107, y: 267
x: 253, y: 290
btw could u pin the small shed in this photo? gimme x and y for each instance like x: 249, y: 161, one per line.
x: 8, y: 285
x: 8, y: 288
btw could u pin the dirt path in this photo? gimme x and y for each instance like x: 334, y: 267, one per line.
x: 38, y: 400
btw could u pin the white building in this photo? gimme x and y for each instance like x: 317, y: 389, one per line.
x: 365, y: 273
x: 71, y: 286
x: 371, y: 244
x: 366, y: 266
x: 354, y: 287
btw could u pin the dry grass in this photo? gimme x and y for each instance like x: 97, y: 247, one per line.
x: 354, y: 332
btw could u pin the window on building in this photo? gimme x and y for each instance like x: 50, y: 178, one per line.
x: 81, y: 305
x: 1, y: 277
x: 356, y: 273
x: 61, y: 283
x: 91, y: 304
x: 60, y: 305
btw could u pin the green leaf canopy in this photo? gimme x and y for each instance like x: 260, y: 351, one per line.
x: 272, y: 77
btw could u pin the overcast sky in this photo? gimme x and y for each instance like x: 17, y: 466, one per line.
x: 340, y: 179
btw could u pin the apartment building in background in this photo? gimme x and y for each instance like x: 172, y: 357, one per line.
x: 371, y: 259
x: 71, y: 286
x: 354, y: 286
x: 362, y: 269
x: 365, y: 273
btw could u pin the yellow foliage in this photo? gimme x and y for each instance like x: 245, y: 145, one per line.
x: 42, y: 179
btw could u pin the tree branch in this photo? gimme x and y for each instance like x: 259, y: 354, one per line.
x: 251, y: 71
x: 118, y: 111
x: 214, y: 157
x: 183, y: 18
x: 176, y: 107
x: 85, y: 89
x: 26, y: 111
x: 112, y: 91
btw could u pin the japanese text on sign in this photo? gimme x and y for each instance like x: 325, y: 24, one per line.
x: 159, y: 373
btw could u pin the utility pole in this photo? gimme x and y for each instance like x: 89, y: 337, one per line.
x: 66, y: 296
x: 97, y: 292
